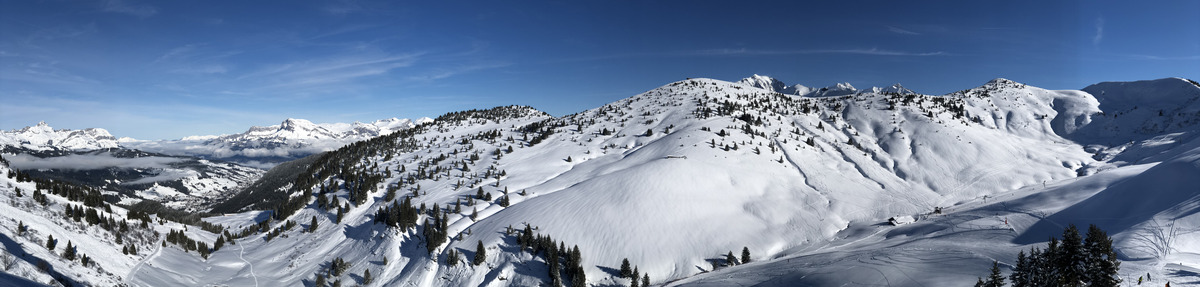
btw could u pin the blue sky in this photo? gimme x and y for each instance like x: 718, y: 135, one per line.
x: 168, y: 69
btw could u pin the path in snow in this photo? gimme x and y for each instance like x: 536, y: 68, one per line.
x: 243, y: 251
x: 157, y: 249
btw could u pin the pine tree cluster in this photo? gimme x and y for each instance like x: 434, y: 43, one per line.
x: 338, y: 266
x: 401, y: 215
x: 288, y: 225
x: 435, y: 234
x: 558, y: 257
x: 180, y: 238
x: 1073, y: 261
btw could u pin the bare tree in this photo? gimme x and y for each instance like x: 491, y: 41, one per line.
x: 1156, y: 239
x: 7, y: 260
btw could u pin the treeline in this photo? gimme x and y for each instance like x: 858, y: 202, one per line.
x: 146, y: 207
x: 88, y: 196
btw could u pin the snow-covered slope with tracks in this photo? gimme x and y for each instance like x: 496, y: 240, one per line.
x: 675, y: 178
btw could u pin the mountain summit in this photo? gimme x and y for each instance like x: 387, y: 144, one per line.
x: 768, y: 83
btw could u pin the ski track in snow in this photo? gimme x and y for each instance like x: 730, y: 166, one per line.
x: 240, y: 253
x: 157, y: 250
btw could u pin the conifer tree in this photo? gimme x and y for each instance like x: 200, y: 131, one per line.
x: 1036, y: 270
x: 1071, y: 257
x: 552, y: 256
x: 452, y: 257
x: 1020, y: 273
x: 1101, y: 263
x: 202, y: 248
x: 745, y: 255
x: 646, y: 279
x: 367, y: 279
x: 730, y: 259
x: 1049, y: 257
x: 995, y: 280
x: 480, y: 254
x: 312, y: 226
x: 50, y: 242
x: 626, y: 271
x: 633, y: 282
x: 69, y: 252
x: 390, y: 195
x: 340, y: 212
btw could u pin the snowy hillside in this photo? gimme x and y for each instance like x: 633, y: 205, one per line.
x: 91, y: 247
x: 676, y: 178
x: 270, y: 145
x: 689, y: 171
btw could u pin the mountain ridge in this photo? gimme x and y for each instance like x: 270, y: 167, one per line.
x: 673, y: 178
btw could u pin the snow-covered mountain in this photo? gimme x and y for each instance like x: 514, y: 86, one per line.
x: 42, y: 137
x: 266, y: 146
x: 839, y: 89
x: 768, y: 83
x: 675, y: 178
x: 92, y: 157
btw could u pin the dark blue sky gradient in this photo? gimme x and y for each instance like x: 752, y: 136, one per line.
x: 155, y: 70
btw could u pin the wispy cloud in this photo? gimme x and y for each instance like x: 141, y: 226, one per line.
x: 119, y: 6
x: 194, y: 59
x: 201, y: 70
x: 194, y: 52
x: 343, y: 7
x: 47, y: 74
x: 335, y: 70
x: 754, y: 52
x: 343, y: 30
x: 750, y: 52
x: 88, y: 162
x: 1099, y: 31
x: 178, y: 52
x: 449, y: 72
x: 1167, y: 58
x: 897, y: 30
x: 59, y: 32
x: 164, y: 175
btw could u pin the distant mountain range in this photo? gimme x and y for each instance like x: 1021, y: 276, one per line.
x: 190, y: 173
x: 260, y: 146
